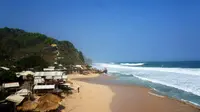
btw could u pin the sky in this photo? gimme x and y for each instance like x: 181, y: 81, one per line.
x: 113, y: 30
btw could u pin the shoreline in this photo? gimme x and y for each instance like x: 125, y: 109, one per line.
x: 132, y: 97
x: 150, y: 90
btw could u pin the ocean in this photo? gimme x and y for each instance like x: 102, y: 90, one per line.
x: 177, y: 79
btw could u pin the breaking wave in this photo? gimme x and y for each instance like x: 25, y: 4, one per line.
x: 132, y: 64
x: 186, y: 79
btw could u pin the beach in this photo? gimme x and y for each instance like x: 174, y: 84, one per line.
x: 97, y: 94
x: 91, y: 98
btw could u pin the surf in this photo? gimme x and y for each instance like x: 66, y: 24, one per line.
x: 132, y: 64
x: 186, y: 79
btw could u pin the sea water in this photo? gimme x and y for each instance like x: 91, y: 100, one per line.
x: 180, y: 80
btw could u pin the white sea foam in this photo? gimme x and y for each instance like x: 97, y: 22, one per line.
x: 190, y: 102
x: 157, y: 95
x: 186, y: 79
x: 189, y: 71
x: 132, y: 64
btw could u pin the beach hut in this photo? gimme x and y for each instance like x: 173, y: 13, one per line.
x: 10, y: 85
x: 39, y: 80
x: 25, y: 73
x: 49, y: 73
x: 23, y: 92
x: 50, y: 68
x: 79, y: 66
x: 44, y: 88
x: 17, y: 99
x: 5, y: 68
x: 50, y: 77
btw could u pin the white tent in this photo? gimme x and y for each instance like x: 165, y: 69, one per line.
x: 5, y: 68
x: 38, y: 80
x: 25, y: 73
x: 50, y: 68
x: 53, y: 73
x: 49, y: 77
x: 64, y: 77
x: 15, y: 98
x: 10, y: 85
x: 23, y: 92
x: 37, y: 87
x: 79, y: 66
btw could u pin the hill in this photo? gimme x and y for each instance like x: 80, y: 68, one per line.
x: 16, y: 44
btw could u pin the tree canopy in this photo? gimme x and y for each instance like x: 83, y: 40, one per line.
x: 16, y: 44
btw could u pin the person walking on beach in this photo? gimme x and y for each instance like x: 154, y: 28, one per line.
x: 78, y: 89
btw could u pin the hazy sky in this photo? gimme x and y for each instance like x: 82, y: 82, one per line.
x: 113, y: 30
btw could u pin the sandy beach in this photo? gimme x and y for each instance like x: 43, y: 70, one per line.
x: 99, y: 96
x: 91, y: 98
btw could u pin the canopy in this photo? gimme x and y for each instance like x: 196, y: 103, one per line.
x: 5, y: 68
x: 15, y: 98
x: 10, y: 85
x: 79, y: 66
x: 23, y: 92
x: 25, y: 73
x: 64, y: 77
x: 53, y: 73
x: 38, y: 80
x: 37, y: 87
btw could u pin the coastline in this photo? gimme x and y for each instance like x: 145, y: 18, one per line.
x: 129, y: 97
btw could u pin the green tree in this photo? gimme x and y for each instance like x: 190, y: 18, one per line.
x: 7, y: 76
x: 16, y: 44
x: 81, y: 56
x: 32, y: 62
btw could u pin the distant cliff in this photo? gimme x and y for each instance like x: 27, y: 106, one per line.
x: 16, y: 44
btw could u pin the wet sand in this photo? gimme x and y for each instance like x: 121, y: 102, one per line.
x: 139, y: 99
x: 125, y: 98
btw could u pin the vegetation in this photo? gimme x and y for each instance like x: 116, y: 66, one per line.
x: 7, y: 76
x: 28, y: 49
x: 88, y: 61
x: 32, y: 62
x: 21, y: 50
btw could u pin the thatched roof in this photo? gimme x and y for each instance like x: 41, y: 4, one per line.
x: 45, y: 106
x: 50, y: 97
x: 28, y: 106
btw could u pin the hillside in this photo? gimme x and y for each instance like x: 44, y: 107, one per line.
x: 16, y: 44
